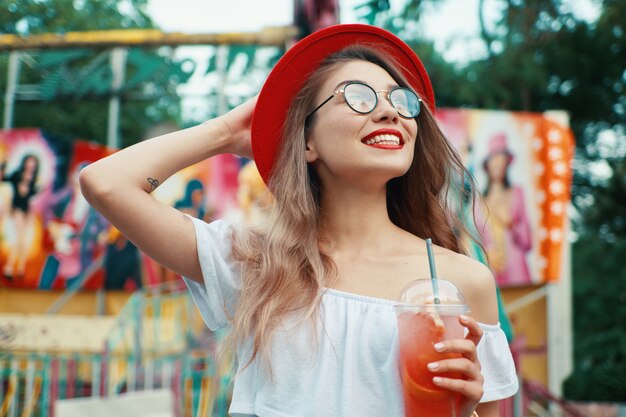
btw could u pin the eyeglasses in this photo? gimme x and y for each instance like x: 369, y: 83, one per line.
x: 363, y: 99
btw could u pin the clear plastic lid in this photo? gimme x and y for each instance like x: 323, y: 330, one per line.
x: 420, y: 293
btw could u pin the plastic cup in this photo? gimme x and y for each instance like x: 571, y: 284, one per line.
x: 421, y: 324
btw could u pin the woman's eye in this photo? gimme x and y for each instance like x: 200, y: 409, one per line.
x: 358, y: 102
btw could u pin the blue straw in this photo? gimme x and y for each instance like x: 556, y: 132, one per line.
x: 433, y: 271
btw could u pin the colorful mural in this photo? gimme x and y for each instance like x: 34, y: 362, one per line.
x: 29, y: 165
x: 50, y: 238
x: 75, y: 234
x: 521, y: 162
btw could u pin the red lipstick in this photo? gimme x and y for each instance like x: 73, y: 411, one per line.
x: 382, y: 145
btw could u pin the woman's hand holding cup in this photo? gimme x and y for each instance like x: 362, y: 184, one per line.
x: 470, y: 386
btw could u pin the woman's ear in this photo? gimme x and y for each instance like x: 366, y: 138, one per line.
x: 310, y: 153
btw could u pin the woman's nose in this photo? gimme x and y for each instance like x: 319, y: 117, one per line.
x: 384, y: 109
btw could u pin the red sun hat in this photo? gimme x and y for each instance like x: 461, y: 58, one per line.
x: 301, y: 60
x: 498, y: 145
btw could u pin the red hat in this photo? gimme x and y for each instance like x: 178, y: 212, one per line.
x: 300, y: 61
x: 497, y: 145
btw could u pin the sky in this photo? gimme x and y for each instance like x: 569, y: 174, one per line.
x: 455, y: 19
x: 453, y: 25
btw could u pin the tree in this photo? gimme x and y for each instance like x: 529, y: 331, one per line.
x: 540, y: 57
x: 565, y: 63
x: 73, y: 85
x: 543, y: 58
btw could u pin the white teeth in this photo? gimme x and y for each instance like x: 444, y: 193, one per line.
x: 384, y: 139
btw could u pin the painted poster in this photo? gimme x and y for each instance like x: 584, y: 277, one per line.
x: 521, y: 162
x: 75, y: 235
x: 29, y: 165
x: 51, y: 238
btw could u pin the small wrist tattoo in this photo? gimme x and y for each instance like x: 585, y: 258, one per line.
x: 153, y: 184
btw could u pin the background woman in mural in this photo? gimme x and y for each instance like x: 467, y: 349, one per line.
x: 193, y: 202
x: 509, y: 235
x: 24, y: 184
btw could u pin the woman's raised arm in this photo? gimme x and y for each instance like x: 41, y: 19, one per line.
x: 119, y: 186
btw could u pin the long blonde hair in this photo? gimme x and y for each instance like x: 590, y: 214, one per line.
x: 283, y: 268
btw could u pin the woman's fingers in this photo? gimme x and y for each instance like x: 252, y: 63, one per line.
x: 471, y: 383
x: 465, y: 347
x: 238, y: 122
x: 471, y: 390
x: 469, y: 380
x: 475, y: 332
x: 469, y: 369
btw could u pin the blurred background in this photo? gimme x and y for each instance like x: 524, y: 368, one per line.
x: 531, y: 92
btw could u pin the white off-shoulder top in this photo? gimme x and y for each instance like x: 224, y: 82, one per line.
x: 348, y: 368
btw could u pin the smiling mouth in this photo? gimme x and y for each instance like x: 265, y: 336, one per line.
x: 384, y: 141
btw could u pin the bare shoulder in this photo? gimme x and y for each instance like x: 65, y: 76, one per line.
x: 474, y: 279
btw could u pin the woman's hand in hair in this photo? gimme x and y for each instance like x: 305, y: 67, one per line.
x: 470, y: 385
x: 238, y: 122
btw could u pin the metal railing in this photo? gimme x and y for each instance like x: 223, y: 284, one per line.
x: 157, y: 342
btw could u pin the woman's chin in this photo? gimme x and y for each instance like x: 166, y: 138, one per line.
x: 362, y: 173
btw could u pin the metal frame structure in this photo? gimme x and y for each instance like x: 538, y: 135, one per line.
x: 118, y: 42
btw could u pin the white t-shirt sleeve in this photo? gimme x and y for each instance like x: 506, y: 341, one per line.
x: 217, y: 296
x: 496, y: 364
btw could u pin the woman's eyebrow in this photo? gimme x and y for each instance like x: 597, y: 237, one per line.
x: 348, y: 81
x: 390, y: 86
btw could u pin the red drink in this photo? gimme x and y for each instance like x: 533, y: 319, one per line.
x: 418, y: 331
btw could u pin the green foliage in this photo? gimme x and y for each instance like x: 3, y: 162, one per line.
x: 30, y: 17
x: 541, y: 58
x: 600, y: 312
x: 75, y: 85
x: 603, y: 383
x: 603, y: 342
x: 370, y: 10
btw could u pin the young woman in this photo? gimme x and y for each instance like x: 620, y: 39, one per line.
x: 343, y: 135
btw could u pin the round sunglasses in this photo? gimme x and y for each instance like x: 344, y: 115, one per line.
x: 363, y: 99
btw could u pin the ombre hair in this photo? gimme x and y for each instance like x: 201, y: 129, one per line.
x: 283, y: 265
